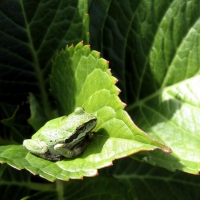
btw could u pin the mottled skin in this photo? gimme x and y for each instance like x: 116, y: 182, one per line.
x: 65, y: 136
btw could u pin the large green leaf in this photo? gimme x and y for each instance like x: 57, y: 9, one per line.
x: 31, y: 34
x: 80, y: 78
x: 153, y: 47
x: 140, y: 39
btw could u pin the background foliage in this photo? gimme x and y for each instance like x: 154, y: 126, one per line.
x: 153, y: 50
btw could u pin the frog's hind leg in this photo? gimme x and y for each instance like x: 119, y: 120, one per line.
x: 40, y: 149
x: 35, y: 146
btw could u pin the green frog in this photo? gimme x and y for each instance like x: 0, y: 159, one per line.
x: 65, y: 136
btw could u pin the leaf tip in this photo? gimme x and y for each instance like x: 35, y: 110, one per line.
x: 96, y: 174
x: 164, y: 148
x: 118, y: 91
x: 116, y: 80
x: 167, y: 150
x: 124, y: 104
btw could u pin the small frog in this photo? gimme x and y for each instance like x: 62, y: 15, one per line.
x: 65, y: 136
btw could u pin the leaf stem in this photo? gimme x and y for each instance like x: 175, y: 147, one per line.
x: 59, y: 188
x: 142, y: 101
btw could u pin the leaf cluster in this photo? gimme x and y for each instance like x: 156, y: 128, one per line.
x: 46, y: 71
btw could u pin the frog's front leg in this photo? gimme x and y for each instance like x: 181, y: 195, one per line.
x: 71, y: 153
x: 36, y: 146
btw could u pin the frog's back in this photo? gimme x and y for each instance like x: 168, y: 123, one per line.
x: 54, y: 131
x: 62, y: 128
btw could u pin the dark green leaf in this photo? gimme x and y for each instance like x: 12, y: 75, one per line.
x: 154, y: 183
x: 31, y: 34
x: 37, y: 119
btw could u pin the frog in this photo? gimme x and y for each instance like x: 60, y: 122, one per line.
x: 63, y: 137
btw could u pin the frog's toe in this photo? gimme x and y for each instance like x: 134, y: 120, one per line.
x: 51, y: 157
x: 63, y: 150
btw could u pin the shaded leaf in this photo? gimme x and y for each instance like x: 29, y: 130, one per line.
x: 154, y: 183
x: 31, y: 34
x: 14, y: 126
x: 37, y: 118
x: 60, y: 189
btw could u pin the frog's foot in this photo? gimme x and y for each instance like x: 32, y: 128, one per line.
x: 51, y: 157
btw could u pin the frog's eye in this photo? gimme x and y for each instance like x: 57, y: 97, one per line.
x: 81, y: 128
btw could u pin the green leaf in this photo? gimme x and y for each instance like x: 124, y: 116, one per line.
x: 153, y: 48
x: 14, y: 126
x: 8, y: 184
x: 31, y: 34
x: 21, y: 184
x: 103, y: 187
x: 151, y: 182
x: 37, y: 118
x: 81, y: 78
x: 17, y: 184
x: 142, y: 40
x: 2, y: 169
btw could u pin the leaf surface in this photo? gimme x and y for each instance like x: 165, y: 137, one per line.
x: 153, y: 48
x: 158, y: 183
x: 81, y: 78
x: 31, y: 34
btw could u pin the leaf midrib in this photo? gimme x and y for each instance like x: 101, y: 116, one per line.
x: 36, y: 66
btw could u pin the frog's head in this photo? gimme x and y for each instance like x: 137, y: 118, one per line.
x: 83, y: 123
